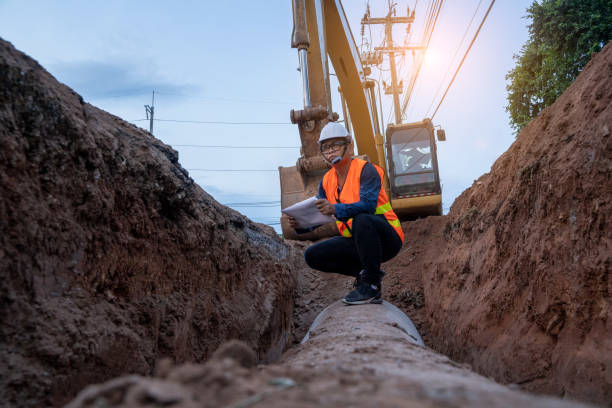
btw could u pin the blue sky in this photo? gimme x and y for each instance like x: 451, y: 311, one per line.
x: 232, y: 62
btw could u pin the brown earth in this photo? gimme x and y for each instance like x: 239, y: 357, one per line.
x: 111, y: 256
x: 515, y: 280
x: 363, y: 356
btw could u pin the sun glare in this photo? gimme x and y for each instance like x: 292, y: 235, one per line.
x: 431, y: 58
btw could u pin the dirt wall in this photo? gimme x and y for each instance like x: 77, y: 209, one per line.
x: 516, y: 279
x: 356, y: 356
x: 110, y: 255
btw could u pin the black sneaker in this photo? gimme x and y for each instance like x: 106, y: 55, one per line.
x: 360, y: 275
x: 365, y: 293
x: 357, y: 281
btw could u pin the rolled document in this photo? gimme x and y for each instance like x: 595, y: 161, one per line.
x: 307, y: 214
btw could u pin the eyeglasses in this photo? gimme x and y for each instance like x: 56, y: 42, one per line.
x: 332, y: 147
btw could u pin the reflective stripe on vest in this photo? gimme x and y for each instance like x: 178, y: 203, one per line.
x: 350, y: 194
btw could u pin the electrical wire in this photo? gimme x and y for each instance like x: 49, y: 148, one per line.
x: 252, y: 206
x: 236, y: 147
x: 403, y: 66
x: 428, y: 33
x: 248, y: 203
x: 131, y: 95
x: 227, y: 99
x: 215, y: 122
x: 245, y: 170
x: 370, y: 30
x: 425, y: 38
x: 453, y: 58
x: 464, y: 56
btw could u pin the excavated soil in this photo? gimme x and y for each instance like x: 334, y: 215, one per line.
x: 365, y: 356
x: 111, y: 257
x: 515, y: 280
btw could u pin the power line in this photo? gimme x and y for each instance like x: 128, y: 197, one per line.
x: 252, y: 206
x: 224, y: 170
x: 436, y: 7
x: 427, y: 34
x: 254, y: 203
x: 236, y: 147
x: 217, y: 122
x: 228, y: 99
x: 464, y: 56
x: 129, y: 94
x: 453, y: 58
x: 390, y: 49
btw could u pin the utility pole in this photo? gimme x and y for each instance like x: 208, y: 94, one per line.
x: 150, y: 111
x: 390, y: 49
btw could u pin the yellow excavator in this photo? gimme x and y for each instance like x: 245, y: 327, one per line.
x: 407, y: 152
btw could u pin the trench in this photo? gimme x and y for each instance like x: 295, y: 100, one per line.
x: 380, y: 341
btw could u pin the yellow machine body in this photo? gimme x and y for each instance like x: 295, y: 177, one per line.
x: 329, y: 35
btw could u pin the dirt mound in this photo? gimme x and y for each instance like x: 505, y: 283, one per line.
x: 516, y: 279
x: 110, y: 255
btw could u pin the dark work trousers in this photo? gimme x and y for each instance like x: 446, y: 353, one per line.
x: 374, y: 241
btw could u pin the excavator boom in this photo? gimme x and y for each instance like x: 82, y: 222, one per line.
x: 320, y: 33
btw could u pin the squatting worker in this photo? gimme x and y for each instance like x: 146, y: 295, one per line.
x: 352, y: 191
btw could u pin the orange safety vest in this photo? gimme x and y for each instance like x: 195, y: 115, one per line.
x: 350, y: 194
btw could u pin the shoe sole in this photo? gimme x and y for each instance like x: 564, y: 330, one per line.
x: 375, y: 300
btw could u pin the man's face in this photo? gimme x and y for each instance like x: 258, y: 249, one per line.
x: 333, y: 150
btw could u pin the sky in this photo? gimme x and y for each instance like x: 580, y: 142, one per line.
x: 231, y: 61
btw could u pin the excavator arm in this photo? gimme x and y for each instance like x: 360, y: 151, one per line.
x: 345, y: 58
x: 321, y: 31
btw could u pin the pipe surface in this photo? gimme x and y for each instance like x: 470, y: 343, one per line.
x: 385, y: 319
x: 379, y: 344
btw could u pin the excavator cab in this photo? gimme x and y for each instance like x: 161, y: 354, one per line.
x: 414, y: 180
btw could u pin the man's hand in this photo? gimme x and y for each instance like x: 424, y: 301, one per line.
x: 292, y: 221
x: 325, y: 207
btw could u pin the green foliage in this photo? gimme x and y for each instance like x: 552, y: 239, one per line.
x: 563, y: 35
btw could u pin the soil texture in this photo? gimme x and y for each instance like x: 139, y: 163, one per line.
x: 357, y: 356
x: 111, y: 257
x: 515, y: 280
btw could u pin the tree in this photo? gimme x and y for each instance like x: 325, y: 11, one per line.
x: 563, y: 35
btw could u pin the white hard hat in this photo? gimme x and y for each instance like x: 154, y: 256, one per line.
x: 333, y: 130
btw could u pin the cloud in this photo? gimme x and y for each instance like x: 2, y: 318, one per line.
x: 94, y: 79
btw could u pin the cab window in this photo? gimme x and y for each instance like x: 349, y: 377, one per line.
x: 412, y: 161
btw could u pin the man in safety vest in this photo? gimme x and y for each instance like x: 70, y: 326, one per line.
x: 352, y: 191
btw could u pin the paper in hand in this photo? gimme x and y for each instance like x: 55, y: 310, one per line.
x: 307, y: 214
